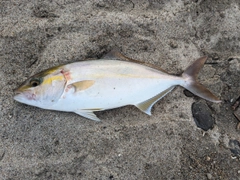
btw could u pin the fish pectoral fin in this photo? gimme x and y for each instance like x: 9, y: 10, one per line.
x: 82, y: 85
x: 88, y: 115
x: 146, y: 106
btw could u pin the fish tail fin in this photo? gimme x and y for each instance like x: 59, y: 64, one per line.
x: 191, y: 83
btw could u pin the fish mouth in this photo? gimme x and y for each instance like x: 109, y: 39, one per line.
x: 18, y: 94
x: 21, y: 95
x: 20, y: 90
x: 17, y: 91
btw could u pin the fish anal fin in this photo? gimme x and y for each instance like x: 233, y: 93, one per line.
x: 88, y: 115
x: 82, y: 85
x: 146, y: 106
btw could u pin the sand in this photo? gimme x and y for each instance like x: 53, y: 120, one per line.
x: 126, y: 144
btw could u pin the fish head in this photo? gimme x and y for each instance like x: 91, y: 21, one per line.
x: 43, y: 89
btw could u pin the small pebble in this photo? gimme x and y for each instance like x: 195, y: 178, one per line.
x: 222, y: 15
x: 173, y: 44
x: 234, y: 65
x: 233, y: 157
x: 209, y: 176
x: 208, y: 158
x: 216, y: 57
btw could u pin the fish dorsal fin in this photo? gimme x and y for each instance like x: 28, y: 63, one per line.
x: 115, y: 54
x: 88, y: 115
x: 146, y: 106
x: 82, y: 85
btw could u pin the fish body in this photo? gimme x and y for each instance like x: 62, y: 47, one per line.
x: 96, y: 85
x: 114, y: 84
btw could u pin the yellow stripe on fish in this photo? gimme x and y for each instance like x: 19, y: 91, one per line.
x: 49, y: 80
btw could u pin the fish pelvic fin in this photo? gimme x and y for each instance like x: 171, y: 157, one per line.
x: 146, y: 105
x: 87, y: 114
x: 191, y: 83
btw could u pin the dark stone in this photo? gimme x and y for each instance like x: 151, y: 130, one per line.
x: 234, y: 147
x: 202, y: 116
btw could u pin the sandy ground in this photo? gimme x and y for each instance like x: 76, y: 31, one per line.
x: 126, y: 144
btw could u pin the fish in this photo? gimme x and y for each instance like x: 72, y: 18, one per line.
x: 113, y: 81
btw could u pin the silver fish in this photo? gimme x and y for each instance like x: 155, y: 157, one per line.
x: 114, y: 81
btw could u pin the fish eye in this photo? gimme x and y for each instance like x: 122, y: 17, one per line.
x: 35, y: 82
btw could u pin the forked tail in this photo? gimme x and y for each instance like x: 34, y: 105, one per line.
x: 191, y: 83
